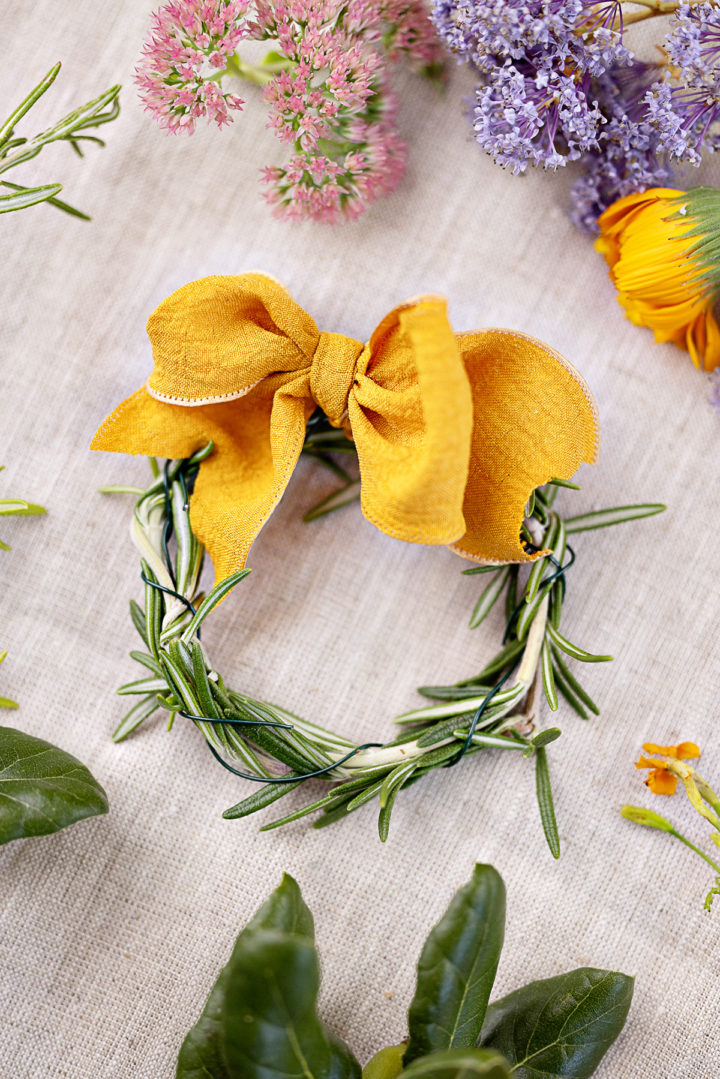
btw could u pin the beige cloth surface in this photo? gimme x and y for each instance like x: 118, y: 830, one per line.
x: 112, y: 933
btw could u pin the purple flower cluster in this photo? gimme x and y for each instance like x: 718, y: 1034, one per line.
x: 559, y: 83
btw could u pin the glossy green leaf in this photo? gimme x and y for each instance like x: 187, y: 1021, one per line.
x: 42, y: 788
x: 270, y: 1023
x: 386, y: 1064
x: 560, y: 1026
x: 201, y: 1053
x: 459, y: 1064
x: 260, y: 1020
x: 457, y: 967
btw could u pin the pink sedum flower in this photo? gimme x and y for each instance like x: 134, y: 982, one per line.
x: 327, y: 88
x: 189, y: 41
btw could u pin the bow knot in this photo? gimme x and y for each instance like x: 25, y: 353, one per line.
x: 452, y: 433
x: 334, y: 365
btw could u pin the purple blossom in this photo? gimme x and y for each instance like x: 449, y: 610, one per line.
x: 557, y: 83
x: 693, y: 46
x: 627, y: 158
x: 685, y: 107
x: 540, y: 120
x: 537, y: 61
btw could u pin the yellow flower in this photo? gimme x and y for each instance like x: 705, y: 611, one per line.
x: 663, y: 250
x: 663, y: 777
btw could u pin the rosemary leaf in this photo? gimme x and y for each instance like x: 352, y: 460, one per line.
x: 572, y: 649
x: 585, y: 522
x: 488, y: 598
x: 547, y: 676
x: 543, y: 790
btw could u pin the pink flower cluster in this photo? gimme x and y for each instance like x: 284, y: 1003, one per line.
x: 331, y: 100
x: 189, y: 41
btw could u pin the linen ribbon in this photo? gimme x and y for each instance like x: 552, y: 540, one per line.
x: 453, y: 432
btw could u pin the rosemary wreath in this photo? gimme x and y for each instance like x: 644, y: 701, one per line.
x: 497, y: 708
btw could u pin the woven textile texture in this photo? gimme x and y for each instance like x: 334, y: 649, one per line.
x: 112, y: 933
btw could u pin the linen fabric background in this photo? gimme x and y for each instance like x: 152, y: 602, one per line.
x: 112, y: 933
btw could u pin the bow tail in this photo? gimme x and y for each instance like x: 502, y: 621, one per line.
x: 258, y: 439
x: 535, y: 419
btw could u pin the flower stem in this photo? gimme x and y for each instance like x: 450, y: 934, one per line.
x: 652, y: 9
x: 703, y: 855
x: 259, y: 74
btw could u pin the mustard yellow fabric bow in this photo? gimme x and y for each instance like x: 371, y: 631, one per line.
x: 452, y: 432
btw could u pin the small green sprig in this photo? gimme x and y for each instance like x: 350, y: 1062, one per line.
x: 261, y: 1017
x: 14, y: 507
x: 498, y: 708
x: 73, y: 129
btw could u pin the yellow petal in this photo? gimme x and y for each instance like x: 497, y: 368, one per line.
x: 661, y: 782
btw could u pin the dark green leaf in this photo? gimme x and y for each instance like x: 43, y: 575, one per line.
x: 260, y: 1019
x: 42, y: 788
x: 285, y: 910
x: 459, y: 1064
x: 457, y: 967
x: 201, y: 1055
x: 271, y: 1029
x: 560, y: 1026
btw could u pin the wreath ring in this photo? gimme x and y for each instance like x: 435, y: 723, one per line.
x: 267, y: 744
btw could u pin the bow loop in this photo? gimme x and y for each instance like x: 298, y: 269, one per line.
x: 332, y: 373
x: 216, y: 338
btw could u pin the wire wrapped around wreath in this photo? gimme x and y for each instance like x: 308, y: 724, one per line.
x: 497, y: 708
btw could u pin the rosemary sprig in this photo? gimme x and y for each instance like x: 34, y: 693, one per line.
x: 73, y: 128
x: 498, y: 708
